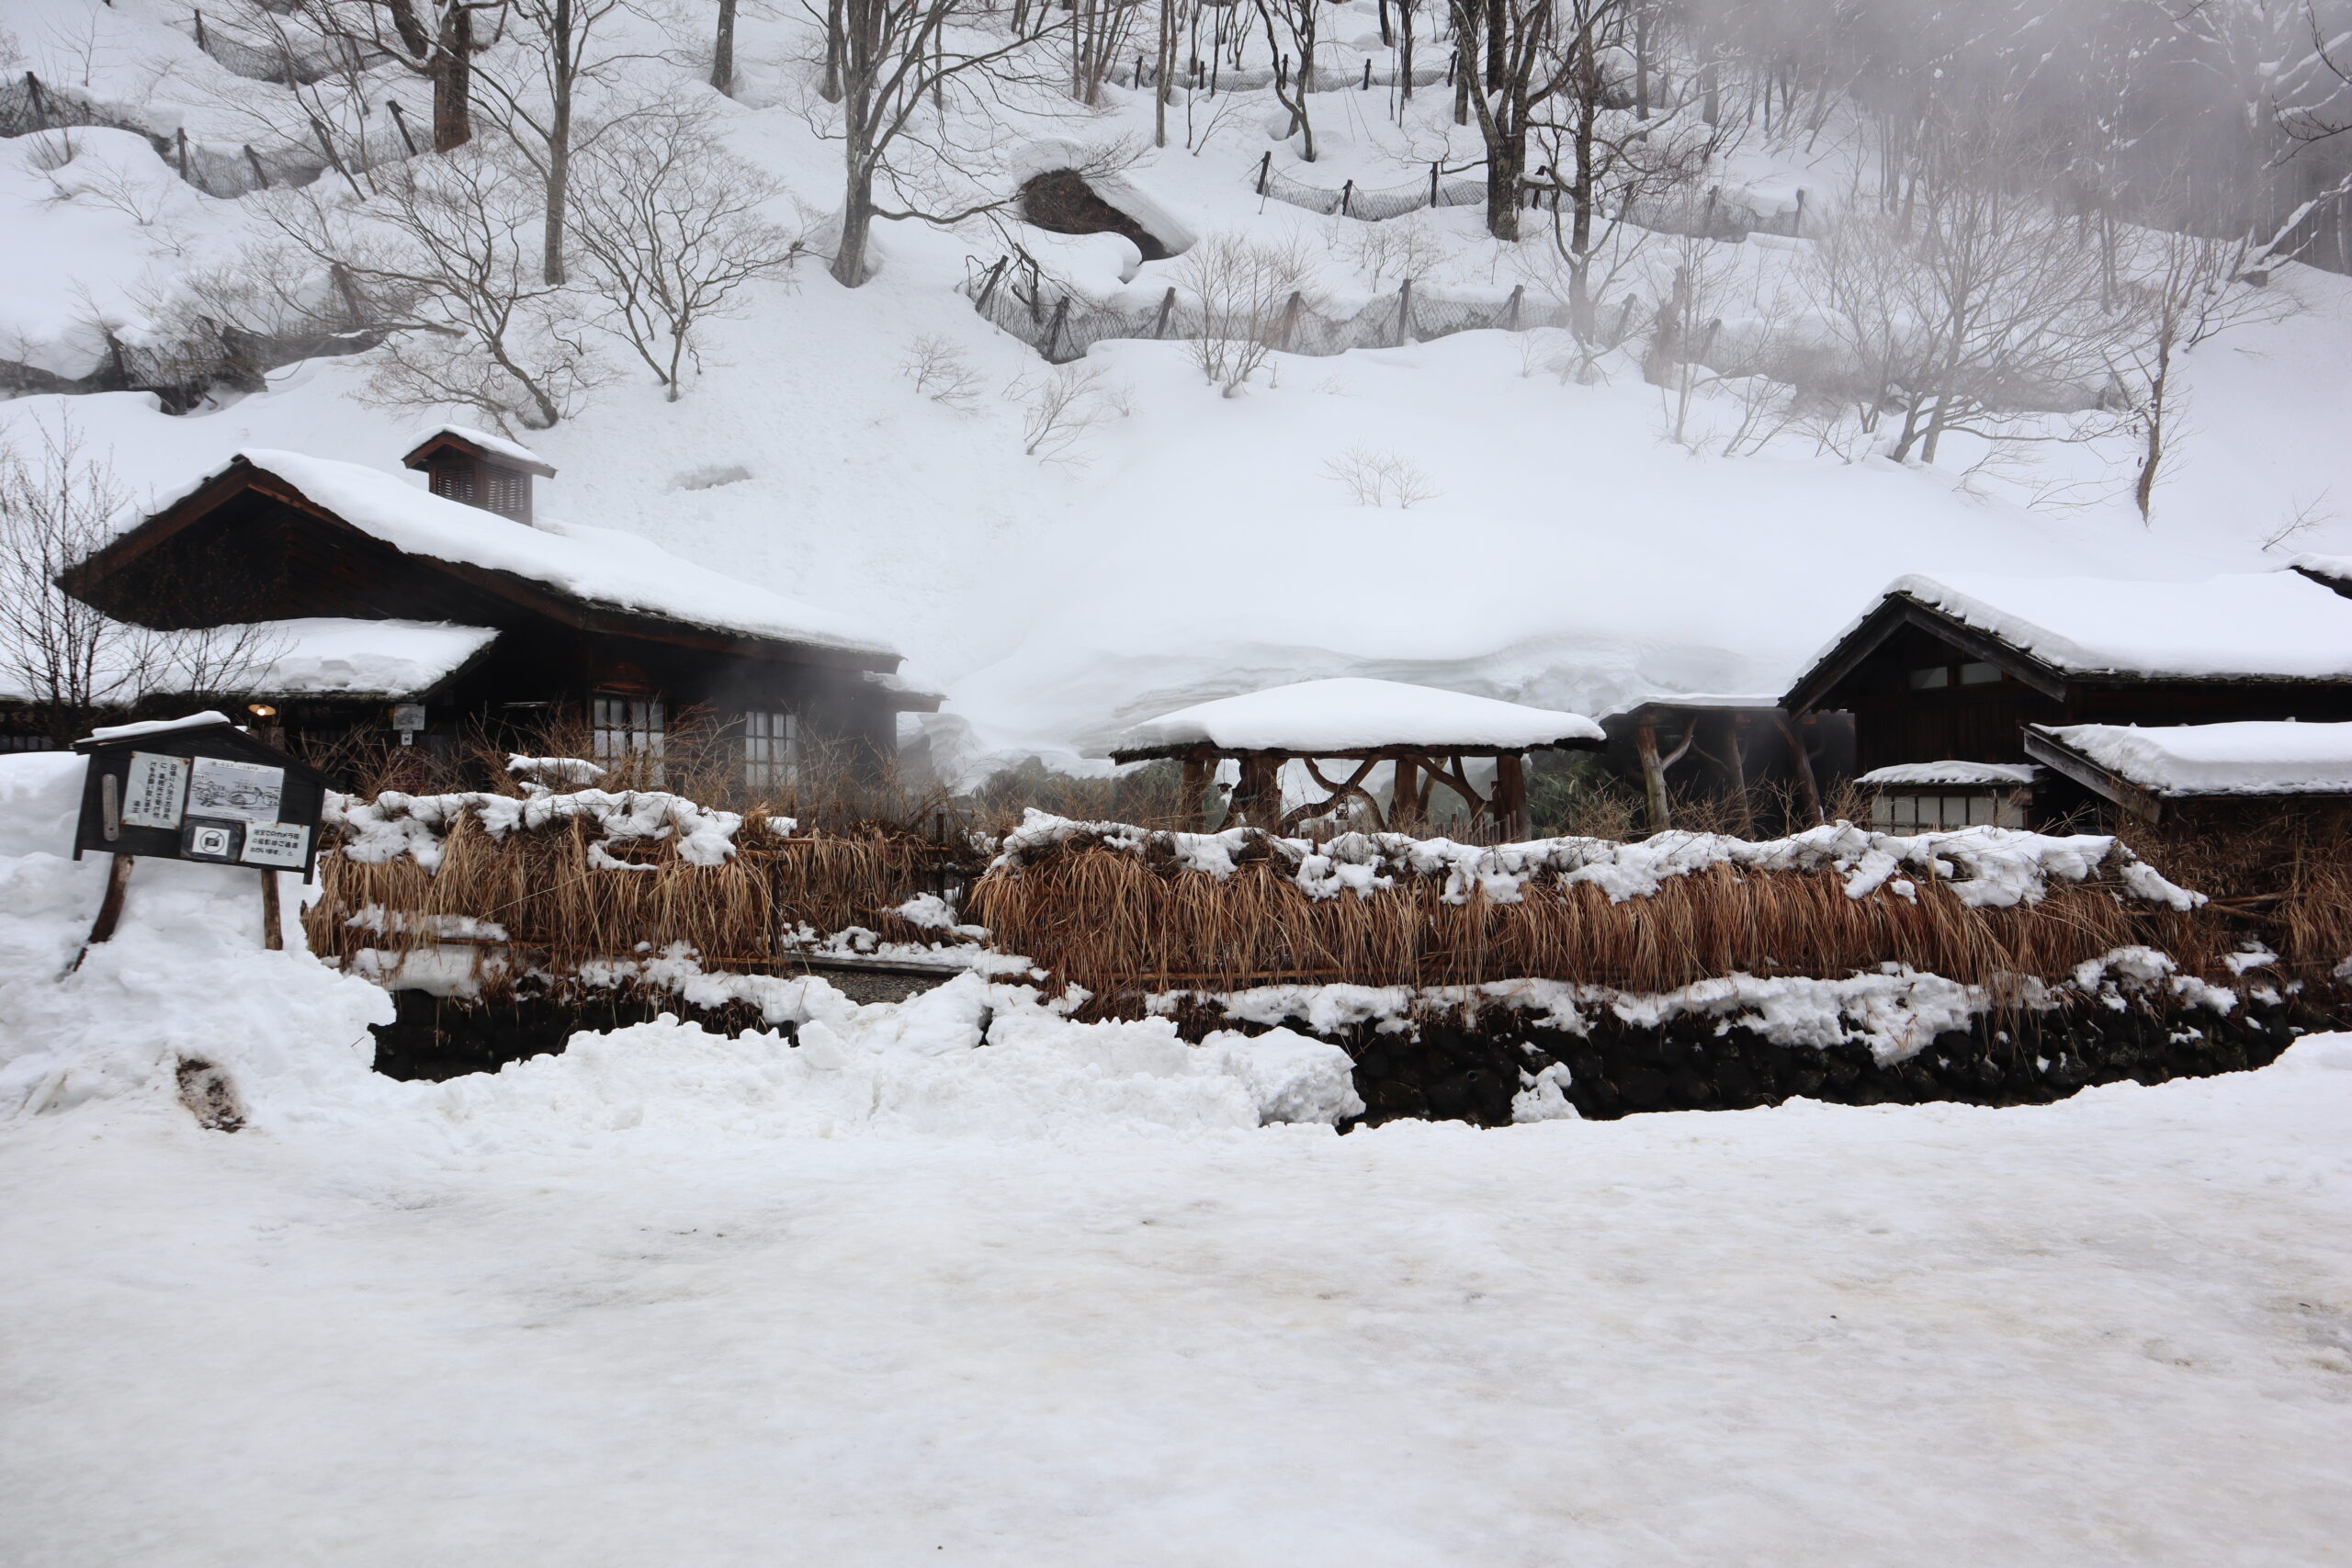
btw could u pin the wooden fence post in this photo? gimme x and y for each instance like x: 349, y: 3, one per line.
x: 1054, y: 334
x: 1404, y: 313
x: 255, y: 159
x: 1367, y: 77
x: 1290, y: 319
x: 180, y: 141
x: 399, y: 123
x: 996, y: 274
x: 201, y: 41
x: 1517, y: 292
x: 1347, y: 197
x: 1167, y: 309
x: 40, y: 99
x: 1432, y: 182
x: 1265, y: 165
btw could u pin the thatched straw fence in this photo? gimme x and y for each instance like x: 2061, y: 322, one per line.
x: 1119, y: 911
x: 549, y: 886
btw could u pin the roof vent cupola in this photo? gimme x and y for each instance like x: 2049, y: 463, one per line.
x: 480, y: 469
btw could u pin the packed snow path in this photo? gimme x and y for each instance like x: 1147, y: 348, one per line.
x: 2114, y: 1330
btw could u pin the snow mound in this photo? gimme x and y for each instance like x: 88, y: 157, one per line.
x: 185, y: 980
x: 966, y: 1060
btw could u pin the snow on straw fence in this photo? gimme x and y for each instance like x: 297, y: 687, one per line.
x: 1062, y: 326
x: 1713, y: 214
x: 1122, y: 911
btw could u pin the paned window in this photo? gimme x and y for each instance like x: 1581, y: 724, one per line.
x: 771, y: 748
x: 1921, y: 811
x: 628, y: 728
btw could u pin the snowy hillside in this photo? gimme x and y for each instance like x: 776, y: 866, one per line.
x: 1190, y: 545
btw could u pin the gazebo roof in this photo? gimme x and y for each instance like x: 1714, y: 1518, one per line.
x: 1352, y: 716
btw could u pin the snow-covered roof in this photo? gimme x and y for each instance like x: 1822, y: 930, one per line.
x: 2272, y: 625
x: 1977, y: 775
x: 2246, y: 757
x: 1351, y: 714
x: 2335, y: 569
x: 322, y: 656
x: 498, y: 446
x: 601, y: 566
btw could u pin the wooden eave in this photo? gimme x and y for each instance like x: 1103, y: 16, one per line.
x: 2333, y: 585
x: 224, y: 733
x: 87, y: 576
x: 1201, y: 750
x: 1899, y: 610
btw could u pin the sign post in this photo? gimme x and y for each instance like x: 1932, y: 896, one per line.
x: 196, y: 789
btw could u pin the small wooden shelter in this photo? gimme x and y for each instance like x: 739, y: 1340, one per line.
x: 1426, y: 736
x: 2210, y: 774
x: 1953, y: 669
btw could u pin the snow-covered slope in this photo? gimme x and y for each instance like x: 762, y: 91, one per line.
x: 1571, y: 557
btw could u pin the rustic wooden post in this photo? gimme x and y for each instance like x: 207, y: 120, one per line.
x: 1347, y: 197
x: 273, y: 928
x: 1796, y: 225
x: 1803, y: 768
x: 1404, y: 807
x: 1653, y: 776
x: 1517, y: 292
x: 399, y: 123
x: 1405, y: 312
x: 1265, y: 166
x: 1367, y: 77
x: 1290, y: 319
x: 180, y: 141
x: 1167, y: 309
x: 1257, y: 799
x: 1510, y: 794
x: 1432, y: 182
x: 1054, y: 335
x: 40, y: 102
x: 1196, y: 815
x: 201, y: 42
x: 1738, y: 760
x: 255, y: 159
x: 996, y: 274
x: 110, y: 908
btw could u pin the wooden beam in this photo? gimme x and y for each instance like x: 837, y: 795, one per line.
x: 2051, y: 752
x: 272, y: 926
x: 1803, y: 763
x: 110, y: 908
x: 1510, y: 793
x: 1653, y: 776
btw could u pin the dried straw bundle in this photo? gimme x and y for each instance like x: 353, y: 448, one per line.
x: 1119, y: 921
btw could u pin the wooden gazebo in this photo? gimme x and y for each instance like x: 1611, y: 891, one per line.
x: 1427, y: 735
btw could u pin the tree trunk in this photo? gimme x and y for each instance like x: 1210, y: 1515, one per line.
x: 453, y: 71
x: 857, y: 225
x: 1498, y: 41
x: 835, y: 38
x: 722, y: 50
x: 559, y: 38
x: 2152, y: 447
x: 415, y: 37
x: 1506, y: 163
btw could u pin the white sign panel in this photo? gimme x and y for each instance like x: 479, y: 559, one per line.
x: 246, y: 791
x: 277, y: 844
x: 154, y: 791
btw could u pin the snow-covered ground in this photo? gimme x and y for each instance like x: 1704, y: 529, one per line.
x: 2114, y: 1330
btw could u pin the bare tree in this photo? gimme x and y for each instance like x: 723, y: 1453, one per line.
x: 1380, y: 478
x: 1061, y: 406
x: 671, y: 223
x: 1250, y: 292
x: 1290, y: 27
x: 1532, y: 53
x: 942, y: 371
x: 2180, y: 289
x: 446, y: 259
x: 58, y: 505
x: 722, y: 49
x: 916, y: 78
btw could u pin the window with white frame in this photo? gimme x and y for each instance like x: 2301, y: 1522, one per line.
x: 628, y: 728
x: 1911, y: 811
x: 771, y: 748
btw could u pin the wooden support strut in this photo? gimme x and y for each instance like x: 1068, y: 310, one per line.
x: 273, y: 924
x: 1803, y: 763
x: 110, y: 908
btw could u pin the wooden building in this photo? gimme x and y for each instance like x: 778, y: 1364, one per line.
x: 1953, y: 670
x: 2209, y: 776
x: 454, y: 606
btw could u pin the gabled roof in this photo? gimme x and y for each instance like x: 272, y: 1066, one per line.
x: 1335, y: 719
x: 2053, y: 632
x: 477, y: 443
x: 586, y: 576
x: 2141, y: 767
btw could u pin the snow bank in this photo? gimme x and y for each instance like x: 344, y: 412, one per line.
x: 2284, y: 757
x: 2276, y: 624
x: 598, y: 565
x: 395, y: 824
x: 185, y: 977
x: 1986, y: 867
x: 1316, y: 718
x: 968, y: 1059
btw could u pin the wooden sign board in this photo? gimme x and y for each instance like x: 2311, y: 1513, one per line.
x: 205, y: 792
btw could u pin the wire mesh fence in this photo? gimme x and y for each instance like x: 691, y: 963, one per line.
x: 1715, y: 214
x: 1061, y: 324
